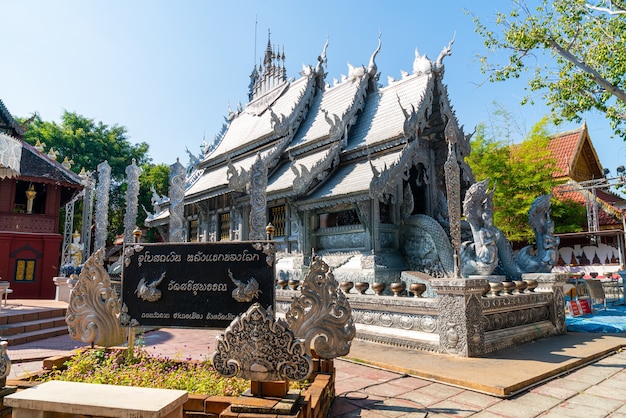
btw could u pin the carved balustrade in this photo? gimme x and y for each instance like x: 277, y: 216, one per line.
x: 456, y: 316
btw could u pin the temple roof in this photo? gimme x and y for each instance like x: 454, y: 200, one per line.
x: 578, y: 163
x: 609, y: 216
x: 8, y: 124
x: 384, y: 116
x: 323, y: 145
x: 575, y: 155
x: 255, y: 125
x: 350, y: 183
x: 38, y: 167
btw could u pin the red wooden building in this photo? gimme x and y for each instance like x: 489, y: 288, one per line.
x: 33, y: 189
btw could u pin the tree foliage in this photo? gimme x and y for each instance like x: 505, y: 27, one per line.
x: 574, y: 51
x: 521, y: 171
x: 88, y: 143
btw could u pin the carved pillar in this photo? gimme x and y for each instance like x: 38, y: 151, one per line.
x: 552, y: 283
x: 461, y: 322
x: 258, y: 200
x: 235, y: 218
x: 177, y: 205
x: 369, y: 214
x: 132, y: 192
x: 102, y: 204
x: 212, y: 228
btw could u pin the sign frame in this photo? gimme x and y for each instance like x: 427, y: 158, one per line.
x: 195, y: 285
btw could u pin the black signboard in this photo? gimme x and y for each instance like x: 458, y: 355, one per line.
x: 195, y: 285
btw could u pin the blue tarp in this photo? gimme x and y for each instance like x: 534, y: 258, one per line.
x: 613, y: 319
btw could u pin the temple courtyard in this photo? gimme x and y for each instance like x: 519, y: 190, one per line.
x: 579, y: 374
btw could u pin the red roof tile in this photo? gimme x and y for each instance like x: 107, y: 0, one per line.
x: 564, y: 147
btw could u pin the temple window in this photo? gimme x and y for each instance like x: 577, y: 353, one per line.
x: 25, y: 270
x: 29, y: 197
x: 385, y: 213
x: 342, y: 218
x: 192, y: 232
x: 278, y: 219
x: 225, y: 226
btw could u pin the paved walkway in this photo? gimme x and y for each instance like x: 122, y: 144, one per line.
x: 596, y: 390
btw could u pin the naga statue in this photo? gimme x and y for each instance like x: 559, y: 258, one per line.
x: 479, y: 257
x: 528, y: 260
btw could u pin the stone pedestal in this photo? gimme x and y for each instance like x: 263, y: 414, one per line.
x: 461, y: 322
x: 552, y: 283
x: 62, y: 293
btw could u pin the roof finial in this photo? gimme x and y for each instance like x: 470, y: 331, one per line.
x: 371, y: 68
x: 447, y: 50
x: 321, y: 60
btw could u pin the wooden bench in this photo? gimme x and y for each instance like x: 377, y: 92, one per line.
x: 60, y: 399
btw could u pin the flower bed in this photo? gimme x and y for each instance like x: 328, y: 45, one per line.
x: 209, y: 392
x: 114, y: 367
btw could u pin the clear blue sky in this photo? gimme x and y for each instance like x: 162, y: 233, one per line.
x: 167, y: 70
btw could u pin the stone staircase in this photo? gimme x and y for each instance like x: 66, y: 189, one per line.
x: 21, y: 326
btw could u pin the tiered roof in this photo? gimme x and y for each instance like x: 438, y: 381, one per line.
x: 326, y: 144
x: 576, y: 158
x: 37, y: 166
x: 577, y: 163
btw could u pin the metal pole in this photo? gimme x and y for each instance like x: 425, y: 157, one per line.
x: 131, y: 329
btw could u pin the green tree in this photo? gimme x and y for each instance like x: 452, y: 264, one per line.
x: 88, y: 143
x: 574, y: 51
x: 520, y: 172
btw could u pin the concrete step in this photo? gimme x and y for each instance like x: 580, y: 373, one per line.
x: 29, y: 326
x: 42, y: 334
x: 25, y: 325
x: 33, y: 314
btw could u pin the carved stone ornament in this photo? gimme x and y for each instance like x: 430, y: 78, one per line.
x: 148, y: 290
x: 133, y: 171
x: 453, y: 189
x: 102, y: 204
x: 258, y: 200
x: 94, y: 307
x: 246, y: 290
x: 305, y: 177
x: 177, y: 207
x: 5, y: 363
x: 129, y: 250
x: 255, y: 346
x: 268, y: 249
x: 237, y: 180
x: 321, y: 315
x: 481, y: 256
x: 385, y: 181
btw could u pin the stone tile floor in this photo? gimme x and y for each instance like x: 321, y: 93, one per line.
x: 597, y: 390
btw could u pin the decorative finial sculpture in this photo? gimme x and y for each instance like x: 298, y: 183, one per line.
x: 94, y: 308
x: 479, y: 257
x: 255, y: 346
x: 321, y: 315
x: 67, y: 163
x: 547, y: 242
